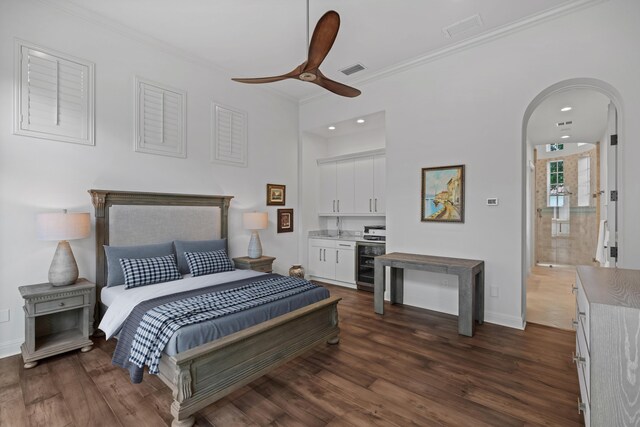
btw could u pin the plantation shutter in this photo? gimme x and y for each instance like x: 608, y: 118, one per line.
x: 160, y: 120
x: 55, y: 100
x: 229, y: 142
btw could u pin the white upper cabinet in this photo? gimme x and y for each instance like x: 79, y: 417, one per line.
x: 379, y: 183
x: 345, y: 191
x: 353, y: 185
x: 327, y: 193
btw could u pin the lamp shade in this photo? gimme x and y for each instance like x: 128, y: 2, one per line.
x: 63, y: 226
x: 255, y: 220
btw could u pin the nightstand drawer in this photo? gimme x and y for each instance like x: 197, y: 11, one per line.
x: 262, y: 268
x: 59, y: 304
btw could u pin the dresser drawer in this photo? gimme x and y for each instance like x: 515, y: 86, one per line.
x: 584, y: 400
x: 584, y: 367
x: 59, y: 304
x: 582, y: 311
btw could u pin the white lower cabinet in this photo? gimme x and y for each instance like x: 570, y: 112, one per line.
x: 332, y: 260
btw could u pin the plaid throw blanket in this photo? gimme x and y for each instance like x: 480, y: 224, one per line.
x: 159, y: 324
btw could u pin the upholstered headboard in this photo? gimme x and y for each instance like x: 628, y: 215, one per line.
x: 125, y: 218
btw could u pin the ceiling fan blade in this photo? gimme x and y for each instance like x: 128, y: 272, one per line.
x: 323, y: 37
x: 263, y: 79
x: 335, y: 87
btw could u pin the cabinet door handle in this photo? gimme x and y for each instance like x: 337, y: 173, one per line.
x: 337, y: 262
x: 324, y: 254
x: 320, y: 254
x: 369, y: 205
x: 577, y: 358
x: 338, y: 205
x: 334, y: 206
x: 376, y: 205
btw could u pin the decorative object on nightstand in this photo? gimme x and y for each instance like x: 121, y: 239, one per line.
x: 296, y: 270
x: 255, y: 221
x: 263, y: 264
x: 63, y: 226
x: 56, y: 320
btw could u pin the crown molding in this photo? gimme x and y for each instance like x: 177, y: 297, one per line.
x: 469, y: 43
x: 133, y: 34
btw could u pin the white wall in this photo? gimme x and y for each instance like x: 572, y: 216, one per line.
x: 38, y: 175
x: 372, y: 139
x: 467, y: 108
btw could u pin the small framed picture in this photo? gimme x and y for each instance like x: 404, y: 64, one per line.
x: 276, y: 195
x: 285, y: 220
x: 443, y: 194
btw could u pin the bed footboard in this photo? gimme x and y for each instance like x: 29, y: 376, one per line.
x: 207, y: 373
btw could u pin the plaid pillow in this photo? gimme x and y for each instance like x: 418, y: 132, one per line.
x: 201, y: 263
x: 147, y: 271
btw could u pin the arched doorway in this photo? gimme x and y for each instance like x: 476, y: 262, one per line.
x: 551, y: 209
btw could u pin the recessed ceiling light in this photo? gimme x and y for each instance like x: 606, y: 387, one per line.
x: 331, y: 128
x: 565, y: 136
x: 566, y: 109
x: 360, y: 121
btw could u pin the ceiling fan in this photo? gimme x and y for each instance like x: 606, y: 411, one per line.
x: 323, y: 37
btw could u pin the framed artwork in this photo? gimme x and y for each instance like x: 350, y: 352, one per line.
x: 276, y: 195
x: 443, y: 194
x: 285, y: 220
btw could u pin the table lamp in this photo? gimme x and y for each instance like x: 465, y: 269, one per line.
x: 63, y: 226
x: 255, y: 221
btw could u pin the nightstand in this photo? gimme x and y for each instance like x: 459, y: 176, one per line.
x: 57, y: 319
x: 264, y: 263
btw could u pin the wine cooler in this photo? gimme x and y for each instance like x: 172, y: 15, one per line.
x: 365, y: 254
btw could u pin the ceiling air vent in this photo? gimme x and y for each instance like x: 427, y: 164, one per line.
x: 352, y: 69
x: 468, y: 24
x: 568, y: 122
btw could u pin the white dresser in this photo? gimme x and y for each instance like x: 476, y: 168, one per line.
x: 608, y: 345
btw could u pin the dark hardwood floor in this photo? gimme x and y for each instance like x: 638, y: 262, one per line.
x: 409, y: 367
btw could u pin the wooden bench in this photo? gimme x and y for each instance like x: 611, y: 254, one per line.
x: 470, y: 283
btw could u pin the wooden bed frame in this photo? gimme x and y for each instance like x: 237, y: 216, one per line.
x: 207, y: 373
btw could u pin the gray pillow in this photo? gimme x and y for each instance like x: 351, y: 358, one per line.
x: 183, y: 246
x: 115, y: 253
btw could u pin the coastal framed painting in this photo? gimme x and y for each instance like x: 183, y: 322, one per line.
x: 276, y: 194
x: 285, y: 220
x: 443, y: 194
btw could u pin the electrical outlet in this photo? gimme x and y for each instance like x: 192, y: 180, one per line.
x: 4, y: 315
x: 494, y: 291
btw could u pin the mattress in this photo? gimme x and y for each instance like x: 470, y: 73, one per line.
x: 121, y: 302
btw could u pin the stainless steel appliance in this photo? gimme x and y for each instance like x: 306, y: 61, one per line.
x: 365, y: 254
x: 375, y: 232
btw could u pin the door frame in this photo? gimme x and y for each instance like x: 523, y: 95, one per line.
x: 563, y: 86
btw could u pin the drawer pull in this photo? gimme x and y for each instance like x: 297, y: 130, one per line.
x: 582, y: 313
x: 574, y: 289
x: 577, y: 358
x: 61, y: 304
x: 574, y: 323
x: 581, y: 406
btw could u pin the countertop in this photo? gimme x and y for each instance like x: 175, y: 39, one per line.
x: 345, y: 236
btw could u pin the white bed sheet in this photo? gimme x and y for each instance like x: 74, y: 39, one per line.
x: 121, y: 302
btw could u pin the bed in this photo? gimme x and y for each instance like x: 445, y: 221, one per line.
x: 204, y: 374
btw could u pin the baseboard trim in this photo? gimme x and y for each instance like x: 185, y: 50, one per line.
x: 9, y: 348
x: 332, y: 282
x: 515, y: 322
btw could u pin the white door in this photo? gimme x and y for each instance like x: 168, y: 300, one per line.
x: 345, y: 265
x: 363, y: 185
x: 345, y: 190
x: 379, y: 183
x: 327, y: 193
x: 328, y: 266
x: 612, y: 185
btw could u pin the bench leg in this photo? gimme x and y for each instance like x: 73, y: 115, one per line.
x: 466, y: 303
x: 480, y: 297
x: 378, y: 288
x: 397, y: 285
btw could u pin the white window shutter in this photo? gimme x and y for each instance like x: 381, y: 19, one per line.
x: 54, y: 95
x: 160, y: 119
x: 229, y: 136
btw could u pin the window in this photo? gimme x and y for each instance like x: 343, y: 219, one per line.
x: 584, y: 181
x: 554, y: 147
x: 54, y: 95
x: 160, y: 119
x: 555, y: 183
x: 228, y: 136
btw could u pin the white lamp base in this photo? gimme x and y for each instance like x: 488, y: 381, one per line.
x: 63, y: 270
x: 255, y: 247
